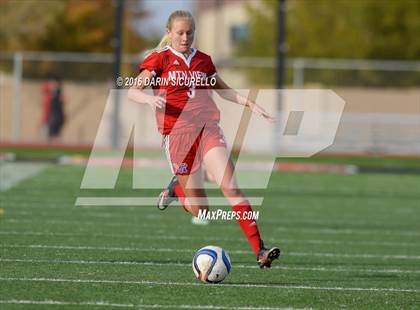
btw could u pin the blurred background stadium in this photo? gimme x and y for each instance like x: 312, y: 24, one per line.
x: 366, y: 51
x: 347, y: 219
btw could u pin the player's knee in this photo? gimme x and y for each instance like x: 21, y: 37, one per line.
x: 208, y: 177
x: 229, y: 191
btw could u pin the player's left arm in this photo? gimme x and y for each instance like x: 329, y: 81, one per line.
x: 232, y: 95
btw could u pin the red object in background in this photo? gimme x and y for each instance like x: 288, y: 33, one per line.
x: 46, y: 101
x: 184, y: 112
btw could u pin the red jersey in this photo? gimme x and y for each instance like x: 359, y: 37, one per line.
x: 186, y: 85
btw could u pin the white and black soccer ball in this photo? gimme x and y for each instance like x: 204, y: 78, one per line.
x: 211, y: 264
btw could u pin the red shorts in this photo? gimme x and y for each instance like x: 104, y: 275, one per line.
x: 185, y: 151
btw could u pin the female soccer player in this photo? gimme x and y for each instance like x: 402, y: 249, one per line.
x: 188, y: 118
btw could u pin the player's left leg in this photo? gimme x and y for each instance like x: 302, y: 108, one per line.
x: 208, y: 177
x: 220, y: 166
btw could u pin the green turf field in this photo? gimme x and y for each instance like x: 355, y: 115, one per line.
x: 348, y: 241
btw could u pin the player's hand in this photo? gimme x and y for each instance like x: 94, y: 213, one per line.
x: 156, y: 102
x: 260, y: 111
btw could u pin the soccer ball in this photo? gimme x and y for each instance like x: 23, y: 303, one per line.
x: 211, y: 264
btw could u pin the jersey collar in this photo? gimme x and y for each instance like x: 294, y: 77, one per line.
x: 180, y: 55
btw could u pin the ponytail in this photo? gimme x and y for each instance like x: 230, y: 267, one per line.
x: 163, y: 42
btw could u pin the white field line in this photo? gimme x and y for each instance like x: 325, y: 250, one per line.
x: 130, y: 249
x: 12, y: 174
x: 57, y: 203
x: 109, y: 304
x: 303, y: 220
x: 108, y: 215
x: 168, y: 283
x: 87, y: 202
x: 242, y: 240
x: 35, y: 194
x: 158, y: 225
x: 289, y: 191
x: 130, y: 263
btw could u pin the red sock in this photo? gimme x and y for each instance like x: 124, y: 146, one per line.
x: 249, y: 227
x: 179, y: 192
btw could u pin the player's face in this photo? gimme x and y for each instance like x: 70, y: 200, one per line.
x: 181, y: 35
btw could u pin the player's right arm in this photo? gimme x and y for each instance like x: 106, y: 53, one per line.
x: 137, y: 94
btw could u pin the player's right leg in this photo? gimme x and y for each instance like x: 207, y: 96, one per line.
x: 183, y: 154
x: 168, y: 195
x: 174, y: 192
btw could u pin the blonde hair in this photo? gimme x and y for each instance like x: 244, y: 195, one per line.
x: 175, y: 15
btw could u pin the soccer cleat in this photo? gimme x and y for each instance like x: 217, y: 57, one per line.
x: 266, y: 256
x: 168, y: 195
